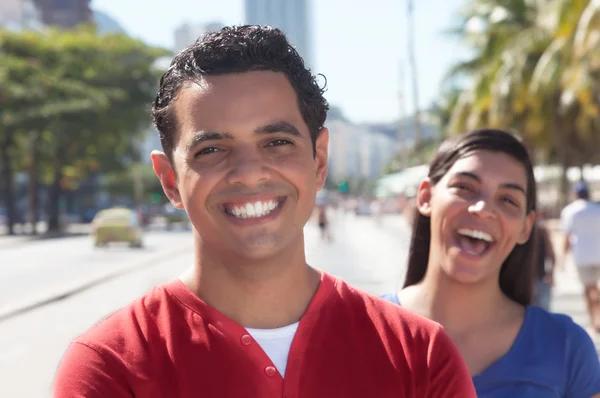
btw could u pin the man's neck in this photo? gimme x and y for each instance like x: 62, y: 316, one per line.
x: 263, y: 294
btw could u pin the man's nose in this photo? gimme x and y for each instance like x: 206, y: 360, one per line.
x: 249, y: 167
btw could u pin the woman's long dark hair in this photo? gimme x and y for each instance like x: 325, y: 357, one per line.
x: 516, y: 274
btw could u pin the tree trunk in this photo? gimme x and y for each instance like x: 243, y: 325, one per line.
x: 564, y: 181
x: 8, y: 181
x: 564, y: 159
x: 562, y: 147
x: 33, y: 183
x: 55, y: 193
x: 138, y: 185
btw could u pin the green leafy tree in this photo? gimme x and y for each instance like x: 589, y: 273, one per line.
x: 73, y: 103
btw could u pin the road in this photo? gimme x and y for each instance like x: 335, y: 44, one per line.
x: 31, y: 271
x: 364, y: 253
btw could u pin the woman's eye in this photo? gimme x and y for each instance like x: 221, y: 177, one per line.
x: 510, y: 201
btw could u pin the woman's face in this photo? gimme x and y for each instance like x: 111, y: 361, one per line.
x: 478, y: 213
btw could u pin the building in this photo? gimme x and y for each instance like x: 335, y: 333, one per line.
x: 291, y: 16
x: 64, y: 13
x: 188, y: 33
x: 358, y: 151
x: 20, y: 14
x: 106, y: 24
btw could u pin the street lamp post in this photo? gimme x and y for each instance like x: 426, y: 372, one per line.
x: 401, y: 133
x: 418, y: 134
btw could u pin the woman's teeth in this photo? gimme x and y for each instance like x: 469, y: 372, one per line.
x: 474, y: 242
x: 475, y: 234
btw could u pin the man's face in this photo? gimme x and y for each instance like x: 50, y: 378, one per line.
x: 243, y: 156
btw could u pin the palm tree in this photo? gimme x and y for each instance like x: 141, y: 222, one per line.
x: 564, y: 87
x: 490, y: 28
x: 536, y: 69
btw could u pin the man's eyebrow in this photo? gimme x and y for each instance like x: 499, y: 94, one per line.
x: 278, y: 127
x: 202, y: 136
x: 271, y: 128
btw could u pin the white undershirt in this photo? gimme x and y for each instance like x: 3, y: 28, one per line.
x: 276, y: 343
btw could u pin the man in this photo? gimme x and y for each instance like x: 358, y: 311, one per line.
x: 323, y: 222
x: 581, y: 224
x: 245, y: 151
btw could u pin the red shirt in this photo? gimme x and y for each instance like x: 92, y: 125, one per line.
x: 348, y: 344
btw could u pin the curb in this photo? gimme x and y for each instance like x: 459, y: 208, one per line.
x: 65, y: 291
x: 20, y: 240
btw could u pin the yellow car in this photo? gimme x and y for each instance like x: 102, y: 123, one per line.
x: 117, y: 224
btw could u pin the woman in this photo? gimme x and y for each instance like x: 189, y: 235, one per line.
x: 470, y: 268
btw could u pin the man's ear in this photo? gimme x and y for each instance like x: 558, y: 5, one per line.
x: 168, y: 180
x: 321, y: 157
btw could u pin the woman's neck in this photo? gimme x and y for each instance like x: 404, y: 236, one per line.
x: 459, y: 307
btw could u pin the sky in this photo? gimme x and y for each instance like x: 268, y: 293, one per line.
x: 358, y: 45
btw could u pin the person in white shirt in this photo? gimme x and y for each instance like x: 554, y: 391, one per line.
x: 581, y: 223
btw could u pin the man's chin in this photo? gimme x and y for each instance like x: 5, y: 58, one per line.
x: 259, y: 245
x: 256, y: 243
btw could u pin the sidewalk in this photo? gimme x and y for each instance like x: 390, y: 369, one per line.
x: 7, y: 241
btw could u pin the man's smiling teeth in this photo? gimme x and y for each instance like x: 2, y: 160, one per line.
x: 475, y: 234
x: 252, y: 210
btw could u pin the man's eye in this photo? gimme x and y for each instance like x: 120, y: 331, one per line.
x: 279, y: 143
x: 206, y: 151
x: 462, y: 187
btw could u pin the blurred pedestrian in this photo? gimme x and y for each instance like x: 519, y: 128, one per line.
x: 580, y: 223
x: 323, y: 221
x: 245, y: 151
x: 469, y: 268
x: 377, y: 210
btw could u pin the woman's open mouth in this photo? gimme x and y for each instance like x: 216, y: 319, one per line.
x: 474, y: 242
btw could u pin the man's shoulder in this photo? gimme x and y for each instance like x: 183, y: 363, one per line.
x: 581, y: 212
x: 393, y: 318
x: 130, y: 325
x: 591, y: 207
x: 579, y: 206
x: 102, y: 360
x: 567, y: 210
x: 414, y: 344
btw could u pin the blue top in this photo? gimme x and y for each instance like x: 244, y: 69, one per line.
x: 552, y: 357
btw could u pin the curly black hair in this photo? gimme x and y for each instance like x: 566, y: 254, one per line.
x: 238, y: 49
